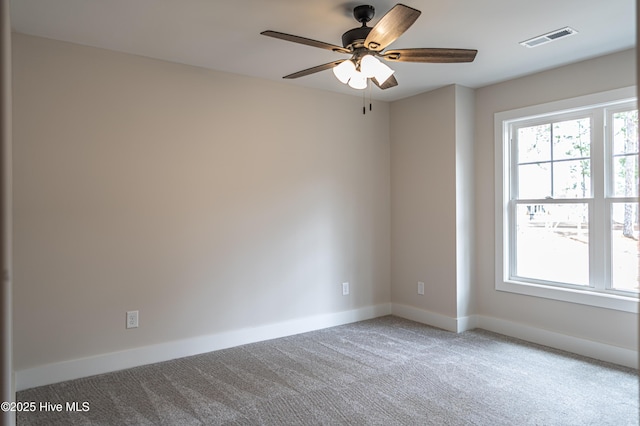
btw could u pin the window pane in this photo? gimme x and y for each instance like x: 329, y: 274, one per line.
x: 625, y: 132
x: 572, y: 139
x: 534, y: 144
x: 552, y: 243
x: 625, y: 176
x: 534, y: 181
x: 572, y: 179
x: 624, y: 244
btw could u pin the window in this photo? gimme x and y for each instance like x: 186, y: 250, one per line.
x: 567, y: 200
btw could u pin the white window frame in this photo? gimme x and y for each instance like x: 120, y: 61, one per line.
x: 502, y: 125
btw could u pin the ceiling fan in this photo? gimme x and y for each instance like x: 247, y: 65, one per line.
x: 366, y: 44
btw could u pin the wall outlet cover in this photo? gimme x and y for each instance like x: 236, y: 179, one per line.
x: 132, y: 319
x: 345, y: 289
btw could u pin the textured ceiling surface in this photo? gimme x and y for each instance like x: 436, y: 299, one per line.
x: 225, y: 35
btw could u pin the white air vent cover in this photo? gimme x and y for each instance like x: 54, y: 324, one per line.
x: 549, y: 37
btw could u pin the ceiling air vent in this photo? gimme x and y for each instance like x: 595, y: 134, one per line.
x: 549, y: 37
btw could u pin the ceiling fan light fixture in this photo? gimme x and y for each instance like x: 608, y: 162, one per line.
x: 358, y: 81
x: 344, y: 71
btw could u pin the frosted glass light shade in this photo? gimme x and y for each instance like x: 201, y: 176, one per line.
x: 344, y: 71
x: 383, y: 72
x: 358, y: 80
x: 368, y: 65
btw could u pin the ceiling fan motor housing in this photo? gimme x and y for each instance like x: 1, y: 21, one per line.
x: 356, y: 36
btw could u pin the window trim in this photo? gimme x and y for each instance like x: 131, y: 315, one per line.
x: 502, y: 122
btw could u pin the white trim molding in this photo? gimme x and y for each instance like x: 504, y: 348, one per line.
x: 577, y: 345
x: 85, y: 367
x: 455, y: 325
x: 589, y: 348
x: 114, y: 361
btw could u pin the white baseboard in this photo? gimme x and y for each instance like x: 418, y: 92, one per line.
x: 74, y: 369
x: 455, y: 325
x: 84, y: 367
x: 577, y: 345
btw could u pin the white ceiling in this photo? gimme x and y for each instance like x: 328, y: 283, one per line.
x: 225, y: 35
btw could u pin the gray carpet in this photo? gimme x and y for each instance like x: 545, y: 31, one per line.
x: 386, y: 371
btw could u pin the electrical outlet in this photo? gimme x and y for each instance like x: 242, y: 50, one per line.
x: 345, y: 289
x: 421, y: 288
x: 132, y: 319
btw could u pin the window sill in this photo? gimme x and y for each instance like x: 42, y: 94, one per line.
x: 601, y: 300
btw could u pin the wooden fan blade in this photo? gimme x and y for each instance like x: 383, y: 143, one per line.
x: 430, y: 55
x: 391, y: 26
x: 389, y: 82
x: 305, y: 41
x: 314, y: 69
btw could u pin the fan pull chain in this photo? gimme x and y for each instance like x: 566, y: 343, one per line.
x: 364, y: 109
x: 364, y: 98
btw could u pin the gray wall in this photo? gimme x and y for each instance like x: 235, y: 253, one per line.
x: 465, y: 201
x: 207, y: 201
x: 423, y: 201
x: 432, y: 164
